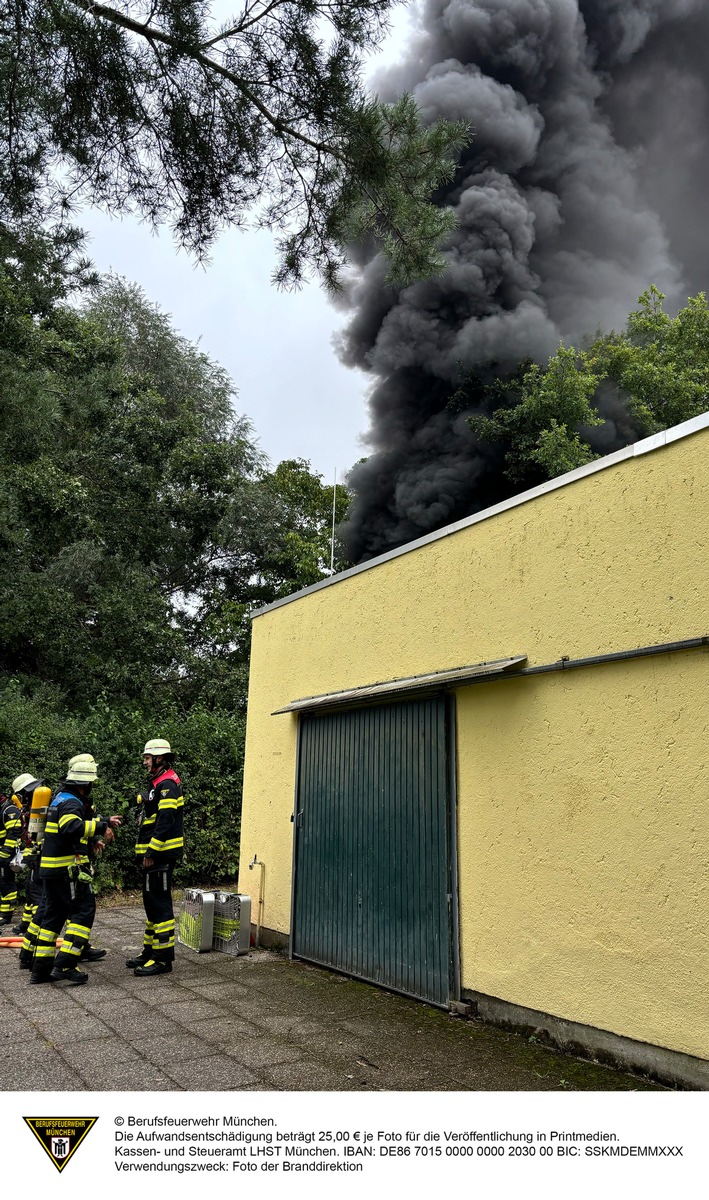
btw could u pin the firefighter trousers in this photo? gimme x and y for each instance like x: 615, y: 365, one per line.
x: 159, y: 936
x: 31, y: 934
x: 67, y: 900
x: 34, y: 890
x: 8, y: 891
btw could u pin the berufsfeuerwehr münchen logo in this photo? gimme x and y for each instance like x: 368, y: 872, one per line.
x: 60, y: 1136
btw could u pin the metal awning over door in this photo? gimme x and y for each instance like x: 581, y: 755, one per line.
x: 373, y: 890
x: 432, y: 681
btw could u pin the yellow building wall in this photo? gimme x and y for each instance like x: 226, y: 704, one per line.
x: 583, y: 836
x: 581, y: 796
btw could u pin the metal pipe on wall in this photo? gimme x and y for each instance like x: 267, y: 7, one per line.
x: 256, y: 862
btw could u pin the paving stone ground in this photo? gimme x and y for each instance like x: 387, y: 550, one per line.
x: 257, y: 1023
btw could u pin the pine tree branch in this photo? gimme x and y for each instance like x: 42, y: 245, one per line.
x: 245, y: 23
x: 150, y: 33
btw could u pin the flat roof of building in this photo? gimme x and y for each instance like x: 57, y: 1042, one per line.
x: 655, y: 442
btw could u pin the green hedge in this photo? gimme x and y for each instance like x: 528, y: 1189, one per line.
x: 38, y: 735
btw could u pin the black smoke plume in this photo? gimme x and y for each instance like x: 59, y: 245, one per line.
x: 584, y: 182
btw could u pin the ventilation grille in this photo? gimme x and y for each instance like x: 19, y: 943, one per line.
x: 232, y: 923
x: 195, y: 923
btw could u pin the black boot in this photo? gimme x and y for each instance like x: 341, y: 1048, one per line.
x: 26, y: 957
x: 91, y: 954
x: 68, y: 975
x: 40, y: 976
x: 139, y: 960
x: 6, y: 919
x: 154, y: 968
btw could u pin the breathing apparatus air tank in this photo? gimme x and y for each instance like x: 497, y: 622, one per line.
x: 41, y: 797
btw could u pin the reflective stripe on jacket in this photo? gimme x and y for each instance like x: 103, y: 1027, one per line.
x: 67, y: 833
x: 10, y: 829
x: 161, y: 831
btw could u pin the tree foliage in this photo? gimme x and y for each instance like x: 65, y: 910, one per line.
x: 660, y: 363
x: 154, y: 106
x: 139, y: 526
x: 658, y: 368
x: 541, y: 426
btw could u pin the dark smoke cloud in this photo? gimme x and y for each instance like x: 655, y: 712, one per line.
x: 564, y: 200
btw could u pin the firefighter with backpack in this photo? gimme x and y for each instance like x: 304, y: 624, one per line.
x: 33, y: 797
x: 33, y: 836
x: 10, y: 837
x: 68, y: 894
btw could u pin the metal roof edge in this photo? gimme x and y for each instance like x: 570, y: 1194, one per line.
x: 655, y: 442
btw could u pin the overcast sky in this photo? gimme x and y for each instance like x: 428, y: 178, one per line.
x: 276, y: 346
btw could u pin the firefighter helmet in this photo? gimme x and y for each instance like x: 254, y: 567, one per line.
x: 83, y: 771
x: 157, y: 746
x: 86, y: 758
x: 24, y: 781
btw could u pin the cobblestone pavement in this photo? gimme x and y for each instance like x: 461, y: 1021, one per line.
x: 257, y: 1023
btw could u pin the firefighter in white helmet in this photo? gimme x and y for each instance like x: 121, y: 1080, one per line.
x: 10, y: 838
x: 160, y: 845
x: 31, y: 927
x: 68, y: 892
x: 24, y: 788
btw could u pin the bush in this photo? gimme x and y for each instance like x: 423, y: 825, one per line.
x: 37, y: 735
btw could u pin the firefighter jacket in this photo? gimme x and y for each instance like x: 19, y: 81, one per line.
x: 67, y: 834
x: 10, y: 829
x: 160, y: 833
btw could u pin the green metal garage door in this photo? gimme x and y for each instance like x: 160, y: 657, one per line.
x: 373, y: 883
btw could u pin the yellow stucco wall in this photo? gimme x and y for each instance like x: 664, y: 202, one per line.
x: 581, y: 796
x: 583, y: 846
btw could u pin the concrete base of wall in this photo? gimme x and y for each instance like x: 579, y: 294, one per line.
x: 271, y: 939
x: 666, y: 1066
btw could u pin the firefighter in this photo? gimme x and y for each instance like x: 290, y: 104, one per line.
x: 24, y: 787
x: 159, y: 846
x: 36, y: 891
x: 92, y: 849
x: 68, y: 894
x: 10, y: 834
